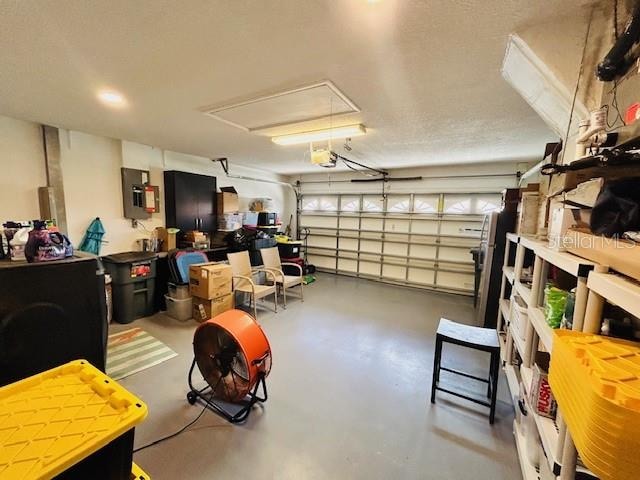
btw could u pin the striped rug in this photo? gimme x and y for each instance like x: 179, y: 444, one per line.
x: 134, y: 350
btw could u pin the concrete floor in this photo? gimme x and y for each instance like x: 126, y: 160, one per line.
x: 348, y: 396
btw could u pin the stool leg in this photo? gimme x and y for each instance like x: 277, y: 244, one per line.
x: 490, y: 384
x: 436, y: 368
x: 495, y: 359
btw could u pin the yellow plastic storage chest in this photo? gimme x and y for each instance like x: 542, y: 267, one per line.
x: 596, y: 382
x: 55, y: 421
x: 138, y: 474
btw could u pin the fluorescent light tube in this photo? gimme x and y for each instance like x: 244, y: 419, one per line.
x: 320, y: 135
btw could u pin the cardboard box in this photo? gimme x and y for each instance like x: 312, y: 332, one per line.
x: 528, y: 214
x: 623, y: 256
x: 204, y: 309
x: 541, y: 397
x: 168, y: 239
x: 585, y: 194
x: 210, y: 280
x: 560, y: 220
x: 228, y: 201
x: 195, y: 236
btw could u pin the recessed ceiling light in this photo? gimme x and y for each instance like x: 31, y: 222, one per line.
x: 109, y: 97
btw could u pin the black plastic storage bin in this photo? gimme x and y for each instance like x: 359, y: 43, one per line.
x: 289, y: 250
x: 133, y: 280
x: 256, y: 245
x: 51, y: 313
x: 111, y: 462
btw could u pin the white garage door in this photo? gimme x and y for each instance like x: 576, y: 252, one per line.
x: 411, y: 239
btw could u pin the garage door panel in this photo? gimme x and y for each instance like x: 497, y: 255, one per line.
x: 348, y: 265
x: 319, y: 221
x: 419, y: 276
x: 317, y: 241
x: 455, y: 254
x: 395, y: 248
x: 394, y: 225
x: 394, y: 272
x: 424, y: 226
x: 462, y: 281
x: 369, y: 268
x: 348, y: 244
x: 349, y: 223
x: 369, y: 246
x: 461, y: 228
x: 422, y: 251
x: 372, y: 224
x: 322, y: 262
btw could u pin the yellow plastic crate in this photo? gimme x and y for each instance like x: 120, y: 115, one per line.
x: 138, y: 474
x: 53, y: 420
x: 596, y: 382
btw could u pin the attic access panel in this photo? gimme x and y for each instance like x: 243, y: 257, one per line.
x: 310, y: 102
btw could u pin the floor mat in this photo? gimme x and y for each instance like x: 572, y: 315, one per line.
x: 134, y: 350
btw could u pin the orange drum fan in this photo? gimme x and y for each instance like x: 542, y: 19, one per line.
x: 234, y: 357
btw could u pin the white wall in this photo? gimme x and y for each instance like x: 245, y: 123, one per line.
x: 22, y: 169
x: 91, y: 174
x: 476, y: 178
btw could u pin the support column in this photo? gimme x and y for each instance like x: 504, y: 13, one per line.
x: 593, y: 312
x: 52, y: 204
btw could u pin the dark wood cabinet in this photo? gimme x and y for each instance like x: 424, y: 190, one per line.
x: 190, y: 201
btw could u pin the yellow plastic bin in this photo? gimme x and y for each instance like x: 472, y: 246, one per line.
x: 72, y: 420
x: 138, y: 474
x: 596, y: 382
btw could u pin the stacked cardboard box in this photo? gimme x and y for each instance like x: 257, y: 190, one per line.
x: 212, y: 288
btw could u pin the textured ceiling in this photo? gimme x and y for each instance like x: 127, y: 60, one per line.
x: 424, y: 72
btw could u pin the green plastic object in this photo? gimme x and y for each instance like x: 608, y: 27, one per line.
x: 307, y: 279
x: 555, y: 304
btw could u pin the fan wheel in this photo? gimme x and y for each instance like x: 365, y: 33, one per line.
x: 231, y: 352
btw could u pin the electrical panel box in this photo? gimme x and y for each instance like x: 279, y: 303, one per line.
x: 139, y: 199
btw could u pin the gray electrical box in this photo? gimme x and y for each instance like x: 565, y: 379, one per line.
x: 139, y: 199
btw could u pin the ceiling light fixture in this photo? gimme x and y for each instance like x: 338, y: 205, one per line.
x: 348, y: 131
x: 114, y: 99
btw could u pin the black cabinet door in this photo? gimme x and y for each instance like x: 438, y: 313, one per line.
x: 190, y: 201
x: 205, y: 188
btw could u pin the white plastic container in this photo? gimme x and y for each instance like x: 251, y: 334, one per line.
x: 178, y: 292
x: 179, y: 309
x: 520, y: 317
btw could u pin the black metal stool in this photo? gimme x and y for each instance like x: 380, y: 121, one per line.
x: 483, y: 339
